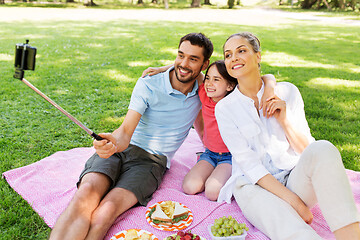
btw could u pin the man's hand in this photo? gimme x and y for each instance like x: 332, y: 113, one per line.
x: 107, y: 147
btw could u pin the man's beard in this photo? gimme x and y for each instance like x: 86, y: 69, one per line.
x: 190, y: 78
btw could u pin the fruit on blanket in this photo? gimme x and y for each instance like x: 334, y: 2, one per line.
x: 228, y: 226
x: 183, y: 236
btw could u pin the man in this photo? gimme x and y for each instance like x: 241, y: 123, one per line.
x: 130, y: 163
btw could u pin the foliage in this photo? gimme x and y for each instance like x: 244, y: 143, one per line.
x: 231, y: 3
x: 90, y: 68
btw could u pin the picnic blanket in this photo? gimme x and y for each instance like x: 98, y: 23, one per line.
x: 49, y: 184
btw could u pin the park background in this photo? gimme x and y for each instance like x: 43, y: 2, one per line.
x: 89, y: 59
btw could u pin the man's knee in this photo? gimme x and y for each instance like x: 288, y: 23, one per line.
x: 104, y: 215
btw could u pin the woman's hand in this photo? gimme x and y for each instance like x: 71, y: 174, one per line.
x: 277, y: 108
x: 107, y: 147
x: 303, y: 211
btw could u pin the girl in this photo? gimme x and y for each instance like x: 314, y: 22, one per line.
x: 279, y: 171
x: 213, y: 167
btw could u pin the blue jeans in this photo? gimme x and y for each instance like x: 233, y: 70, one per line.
x: 215, y: 158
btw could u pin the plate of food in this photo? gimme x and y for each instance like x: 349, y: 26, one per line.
x: 134, y: 234
x: 180, y: 235
x: 169, y: 216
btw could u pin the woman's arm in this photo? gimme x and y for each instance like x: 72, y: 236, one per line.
x: 270, y: 183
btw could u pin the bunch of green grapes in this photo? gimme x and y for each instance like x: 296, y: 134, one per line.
x: 227, y: 226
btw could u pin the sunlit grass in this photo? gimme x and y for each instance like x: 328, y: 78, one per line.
x: 91, y: 67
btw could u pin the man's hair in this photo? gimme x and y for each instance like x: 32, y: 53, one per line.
x: 199, y: 39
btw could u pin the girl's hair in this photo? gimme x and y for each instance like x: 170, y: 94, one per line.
x: 251, y: 38
x: 220, y: 65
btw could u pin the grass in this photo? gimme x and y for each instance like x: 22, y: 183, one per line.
x: 90, y: 68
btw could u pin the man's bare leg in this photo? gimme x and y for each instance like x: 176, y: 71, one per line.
x: 74, y: 222
x: 117, y: 201
x: 349, y: 232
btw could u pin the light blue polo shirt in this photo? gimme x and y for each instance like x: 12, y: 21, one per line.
x: 167, y: 114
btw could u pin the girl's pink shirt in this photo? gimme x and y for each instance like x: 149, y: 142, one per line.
x: 212, y: 138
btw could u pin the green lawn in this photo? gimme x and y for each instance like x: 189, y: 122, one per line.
x: 90, y: 68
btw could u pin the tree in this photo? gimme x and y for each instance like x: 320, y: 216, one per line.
x: 307, y: 4
x: 207, y: 2
x: 89, y: 3
x: 195, y: 3
x: 231, y: 3
x: 2, y: 1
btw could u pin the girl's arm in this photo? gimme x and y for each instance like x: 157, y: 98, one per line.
x: 277, y: 108
x: 199, y: 125
x: 155, y: 70
x: 269, y: 92
x: 270, y: 183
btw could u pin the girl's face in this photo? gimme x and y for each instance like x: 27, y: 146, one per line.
x: 240, y: 58
x: 216, y: 87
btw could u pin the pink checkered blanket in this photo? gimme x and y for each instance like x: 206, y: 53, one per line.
x: 49, y: 184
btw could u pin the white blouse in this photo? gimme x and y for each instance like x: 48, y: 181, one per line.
x: 258, y: 145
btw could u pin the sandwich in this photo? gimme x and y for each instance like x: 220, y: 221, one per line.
x: 168, y: 213
x: 131, y: 234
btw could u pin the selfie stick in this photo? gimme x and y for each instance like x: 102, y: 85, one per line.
x: 19, y: 73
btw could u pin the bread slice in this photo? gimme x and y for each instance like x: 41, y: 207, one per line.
x: 159, y: 215
x: 179, y: 210
x: 131, y: 234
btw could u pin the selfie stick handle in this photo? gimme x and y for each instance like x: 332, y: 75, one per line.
x: 91, y: 133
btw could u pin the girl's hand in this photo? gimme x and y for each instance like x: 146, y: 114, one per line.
x: 265, y: 99
x: 151, y: 71
x: 155, y: 70
x: 107, y: 147
x: 276, y: 108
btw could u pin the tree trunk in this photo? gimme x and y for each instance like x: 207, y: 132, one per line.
x: 89, y: 3
x: 195, y: 3
x: 166, y: 3
x: 207, y: 2
x: 353, y: 4
x: 342, y: 4
x: 307, y: 4
x: 140, y: 2
x: 327, y: 5
x: 2, y: 1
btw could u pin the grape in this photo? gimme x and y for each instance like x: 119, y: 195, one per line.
x: 227, y: 226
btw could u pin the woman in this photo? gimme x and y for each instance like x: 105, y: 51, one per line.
x: 279, y: 171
